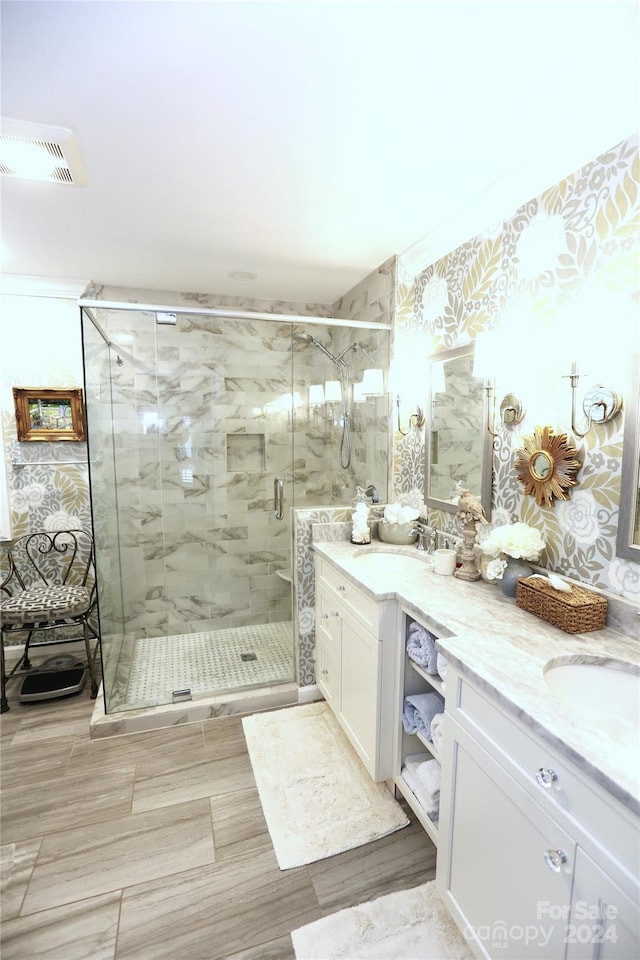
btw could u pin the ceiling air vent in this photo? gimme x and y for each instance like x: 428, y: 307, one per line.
x: 33, y: 151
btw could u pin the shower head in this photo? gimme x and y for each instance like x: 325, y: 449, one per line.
x: 307, y: 338
x: 352, y: 346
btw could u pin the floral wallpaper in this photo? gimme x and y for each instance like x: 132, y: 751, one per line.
x: 48, y: 481
x: 563, y: 259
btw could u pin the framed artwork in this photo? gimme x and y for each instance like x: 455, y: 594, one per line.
x: 43, y: 414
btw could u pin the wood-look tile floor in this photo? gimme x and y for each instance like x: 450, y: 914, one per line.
x: 154, y: 845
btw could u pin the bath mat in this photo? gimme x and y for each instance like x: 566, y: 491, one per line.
x: 412, y: 924
x: 317, y: 797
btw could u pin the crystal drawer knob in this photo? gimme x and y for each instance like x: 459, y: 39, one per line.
x: 554, y: 859
x: 546, y: 776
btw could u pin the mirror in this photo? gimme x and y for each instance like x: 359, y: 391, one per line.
x: 547, y: 466
x: 628, y: 540
x: 458, y: 445
x: 540, y: 465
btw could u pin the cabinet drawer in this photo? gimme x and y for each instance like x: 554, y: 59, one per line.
x: 504, y: 856
x: 328, y: 616
x: 360, y: 606
x: 552, y: 779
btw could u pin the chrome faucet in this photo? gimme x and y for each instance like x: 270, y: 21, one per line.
x: 426, y: 539
x: 372, y: 493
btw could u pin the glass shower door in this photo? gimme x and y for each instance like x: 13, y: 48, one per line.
x: 202, y: 426
x: 98, y: 358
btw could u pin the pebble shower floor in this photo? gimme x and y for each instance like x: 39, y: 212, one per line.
x: 211, y: 662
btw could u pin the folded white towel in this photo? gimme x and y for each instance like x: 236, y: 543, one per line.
x: 396, y: 513
x: 437, y: 731
x: 428, y: 778
x: 423, y: 779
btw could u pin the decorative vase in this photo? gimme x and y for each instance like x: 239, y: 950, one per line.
x: 514, y: 570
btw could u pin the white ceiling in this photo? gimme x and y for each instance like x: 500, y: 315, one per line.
x: 305, y: 142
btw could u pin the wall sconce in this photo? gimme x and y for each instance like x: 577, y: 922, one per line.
x: 405, y: 372
x: 485, y: 362
x: 316, y: 395
x: 332, y: 394
x: 600, y: 404
x: 316, y: 400
x: 372, y: 383
x: 332, y: 391
x: 438, y: 384
x: 416, y: 420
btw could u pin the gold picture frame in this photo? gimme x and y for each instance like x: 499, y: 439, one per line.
x: 547, y: 466
x: 44, y: 414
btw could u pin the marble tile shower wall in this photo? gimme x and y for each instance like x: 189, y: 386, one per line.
x: 320, y: 451
x: 200, y: 552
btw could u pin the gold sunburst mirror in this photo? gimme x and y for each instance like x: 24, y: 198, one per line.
x: 547, y: 466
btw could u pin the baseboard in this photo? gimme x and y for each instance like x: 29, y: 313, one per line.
x: 309, y: 694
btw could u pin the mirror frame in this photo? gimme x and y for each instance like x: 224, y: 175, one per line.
x: 562, y: 462
x: 630, y: 473
x: 485, y: 493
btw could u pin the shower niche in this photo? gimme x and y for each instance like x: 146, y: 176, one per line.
x: 246, y: 451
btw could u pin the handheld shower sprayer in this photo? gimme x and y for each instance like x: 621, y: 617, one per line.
x: 341, y: 363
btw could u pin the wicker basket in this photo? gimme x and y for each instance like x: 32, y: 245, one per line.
x: 575, y: 612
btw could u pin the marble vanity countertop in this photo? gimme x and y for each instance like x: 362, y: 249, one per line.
x: 505, y: 649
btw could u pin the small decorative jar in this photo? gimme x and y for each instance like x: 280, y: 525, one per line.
x: 360, y: 523
x: 514, y: 571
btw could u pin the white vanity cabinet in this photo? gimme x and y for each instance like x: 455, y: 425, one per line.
x: 535, y: 860
x: 356, y: 665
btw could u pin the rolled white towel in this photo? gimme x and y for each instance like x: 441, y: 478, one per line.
x: 441, y: 665
x: 437, y: 731
x: 421, y: 647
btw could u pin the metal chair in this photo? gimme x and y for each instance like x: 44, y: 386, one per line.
x: 50, y: 585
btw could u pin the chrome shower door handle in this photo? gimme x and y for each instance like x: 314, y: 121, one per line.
x: 278, y: 498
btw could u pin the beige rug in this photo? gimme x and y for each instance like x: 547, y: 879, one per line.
x: 411, y: 925
x: 317, y: 797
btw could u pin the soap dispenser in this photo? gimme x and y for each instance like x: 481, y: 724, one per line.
x: 360, y: 526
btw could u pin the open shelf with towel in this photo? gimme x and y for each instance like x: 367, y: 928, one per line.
x: 421, y: 704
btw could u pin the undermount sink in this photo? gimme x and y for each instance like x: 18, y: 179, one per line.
x: 390, y: 560
x: 605, y: 691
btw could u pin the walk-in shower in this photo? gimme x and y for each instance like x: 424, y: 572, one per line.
x: 190, y: 425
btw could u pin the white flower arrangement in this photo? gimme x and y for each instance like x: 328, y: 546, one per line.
x: 517, y: 540
x: 495, y: 569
